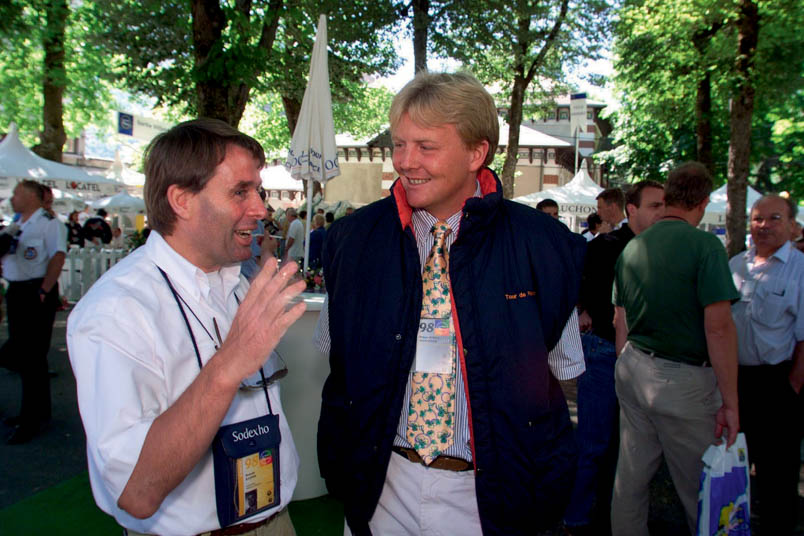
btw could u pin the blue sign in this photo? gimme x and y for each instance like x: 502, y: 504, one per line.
x: 125, y: 123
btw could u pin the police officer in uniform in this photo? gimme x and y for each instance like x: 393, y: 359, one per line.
x: 31, y: 266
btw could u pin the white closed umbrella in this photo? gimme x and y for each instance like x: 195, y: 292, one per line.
x: 313, y: 155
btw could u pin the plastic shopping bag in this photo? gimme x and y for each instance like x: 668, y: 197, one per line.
x: 724, y: 496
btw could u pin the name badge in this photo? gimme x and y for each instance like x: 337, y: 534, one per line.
x: 245, y: 458
x: 434, y: 346
x: 255, y: 482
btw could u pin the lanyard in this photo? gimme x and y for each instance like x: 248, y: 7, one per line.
x: 179, y: 301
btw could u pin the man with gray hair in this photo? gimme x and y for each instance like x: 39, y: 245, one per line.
x: 294, y: 242
x: 770, y: 334
x: 676, y: 372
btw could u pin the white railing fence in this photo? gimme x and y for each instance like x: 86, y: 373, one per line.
x: 83, y: 266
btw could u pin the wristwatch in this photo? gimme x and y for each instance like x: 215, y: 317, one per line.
x: 42, y: 292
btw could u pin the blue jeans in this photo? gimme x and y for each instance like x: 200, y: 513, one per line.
x: 596, y: 434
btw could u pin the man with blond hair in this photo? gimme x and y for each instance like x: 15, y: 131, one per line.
x: 448, y: 310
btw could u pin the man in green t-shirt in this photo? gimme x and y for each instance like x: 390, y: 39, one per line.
x: 676, y: 374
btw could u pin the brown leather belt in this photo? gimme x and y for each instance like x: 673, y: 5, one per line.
x: 242, y: 528
x: 231, y: 530
x: 447, y: 463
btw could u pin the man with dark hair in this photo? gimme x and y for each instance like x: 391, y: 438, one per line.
x: 597, y: 401
x: 770, y: 334
x: 676, y: 374
x: 548, y: 206
x: 32, y: 266
x: 593, y: 223
x: 611, y: 207
x: 442, y: 412
x: 184, y: 433
x: 97, y: 230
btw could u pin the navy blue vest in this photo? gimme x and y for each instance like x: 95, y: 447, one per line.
x: 515, y: 274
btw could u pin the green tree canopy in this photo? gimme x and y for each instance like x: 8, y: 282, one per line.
x: 525, y: 47
x: 22, y: 70
x: 263, y: 46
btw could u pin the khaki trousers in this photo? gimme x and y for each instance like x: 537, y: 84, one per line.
x: 281, y: 525
x: 666, y: 408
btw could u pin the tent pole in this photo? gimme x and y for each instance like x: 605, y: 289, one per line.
x: 309, y: 218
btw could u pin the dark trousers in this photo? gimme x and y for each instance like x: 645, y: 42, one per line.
x: 30, y: 326
x: 596, y: 436
x: 771, y: 417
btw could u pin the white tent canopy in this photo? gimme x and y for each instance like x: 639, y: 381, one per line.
x: 18, y: 163
x: 122, y: 203
x: 279, y: 178
x: 577, y: 197
x: 716, y: 209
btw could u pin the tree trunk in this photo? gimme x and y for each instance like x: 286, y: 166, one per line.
x: 703, y: 124
x: 220, y: 93
x: 52, y: 137
x: 292, y: 107
x: 514, y: 122
x: 742, y: 109
x: 421, y: 23
x: 216, y: 96
x: 703, y: 101
x: 522, y: 79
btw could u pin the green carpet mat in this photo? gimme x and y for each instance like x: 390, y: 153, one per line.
x: 68, y: 509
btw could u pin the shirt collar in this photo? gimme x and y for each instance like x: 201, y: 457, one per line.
x: 192, y: 280
x: 34, y: 216
x: 453, y: 221
x: 782, y: 254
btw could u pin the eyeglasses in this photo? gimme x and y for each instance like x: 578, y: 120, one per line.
x: 272, y: 371
x: 773, y: 220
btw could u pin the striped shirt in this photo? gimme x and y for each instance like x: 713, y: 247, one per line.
x: 565, y: 359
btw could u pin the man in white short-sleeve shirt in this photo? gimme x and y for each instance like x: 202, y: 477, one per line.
x: 32, y: 266
x: 295, y: 240
x: 168, y: 348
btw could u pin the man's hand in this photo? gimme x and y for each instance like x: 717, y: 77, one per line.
x: 729, y: 419
x: 584, y: 322
x: 262, y: 319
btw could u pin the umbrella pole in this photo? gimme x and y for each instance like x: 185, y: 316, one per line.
x: 309, y: 218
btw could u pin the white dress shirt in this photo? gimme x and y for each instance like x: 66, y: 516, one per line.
x: 40, y: 240
x: 770, y: 313
x: 133, y: 357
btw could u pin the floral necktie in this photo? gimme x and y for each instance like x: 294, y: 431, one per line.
x: 431, y: 415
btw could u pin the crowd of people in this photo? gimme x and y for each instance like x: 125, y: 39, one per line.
x: 451, y: 315
x: 95, y: 231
